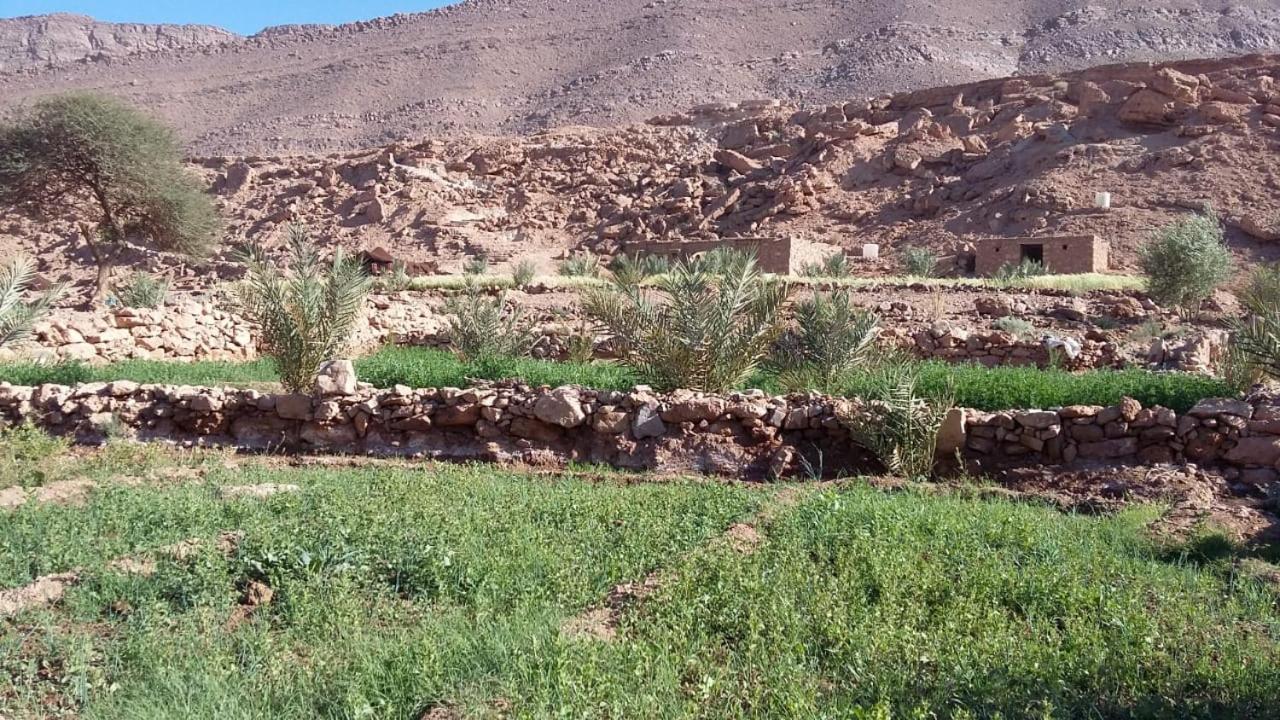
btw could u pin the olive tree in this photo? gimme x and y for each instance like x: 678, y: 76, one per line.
x: 95, y: 157
x: 1186, y: 262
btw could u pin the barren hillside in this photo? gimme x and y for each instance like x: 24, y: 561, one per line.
x: 33, y: 43
x: 938, y: 168
x: 514, y: 66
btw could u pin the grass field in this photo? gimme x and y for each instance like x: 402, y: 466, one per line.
x: 975, y: 386
x: 401, y: 590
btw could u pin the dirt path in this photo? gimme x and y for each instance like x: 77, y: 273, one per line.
x: 601, y: 621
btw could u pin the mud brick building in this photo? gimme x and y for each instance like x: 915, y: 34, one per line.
x: 1061, y: 254
x: 773, y: 254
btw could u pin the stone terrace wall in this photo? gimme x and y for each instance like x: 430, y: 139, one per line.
x: 741, y: 434
x: 745, y: 434
x: 195, y: 330
x: 1243, y: 435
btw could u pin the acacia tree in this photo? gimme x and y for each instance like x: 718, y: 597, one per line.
x: 94, y: 156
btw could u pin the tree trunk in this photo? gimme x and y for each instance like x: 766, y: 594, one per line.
x: 103, y: 258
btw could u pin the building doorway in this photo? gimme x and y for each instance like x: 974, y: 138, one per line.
x: 1033, y: 253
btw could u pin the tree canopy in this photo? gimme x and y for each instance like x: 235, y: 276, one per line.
x: 96, y: 157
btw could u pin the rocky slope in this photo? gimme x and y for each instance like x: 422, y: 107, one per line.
x: 514, y: 66
x: 44, y: 41
x: 937, y: 168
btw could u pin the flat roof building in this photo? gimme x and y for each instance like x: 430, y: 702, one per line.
x: 1060, y: 254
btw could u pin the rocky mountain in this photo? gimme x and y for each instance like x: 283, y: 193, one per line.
x: 518, y: 66
x: 38, y: 42
x: 941, y: 168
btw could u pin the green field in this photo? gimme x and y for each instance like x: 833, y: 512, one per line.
x: 398, y: 589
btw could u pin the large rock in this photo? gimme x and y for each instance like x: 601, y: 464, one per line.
x: 1177, y: 85
x: 1148, y: 107
x: 562, y: 407
x: 294, y: 407
x: 647, y: 423
x: 336, y: 377
x: 737, y: 161
x: 1212, y: 407
x: 1263, y: 450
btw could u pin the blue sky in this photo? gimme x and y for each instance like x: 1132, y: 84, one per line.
x: 243, y: 16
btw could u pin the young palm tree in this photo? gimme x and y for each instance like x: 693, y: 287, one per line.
x: 699, y: 327
x: 17, y: 314
x: 306, y: 312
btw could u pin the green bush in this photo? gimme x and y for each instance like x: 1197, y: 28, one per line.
x: 830, y: 337
x: 398, y: 279
x: 1015, y: 326
x: 306, y: 313
x: 1011, y: 273
x: 485, y: 327
x: 900, y: 419
x: 523, y: 273
x: 1263, y: 292
x: 636, y: 269
x: 585, y: 265
x: 1186, y: 262
x: 94, y: 156
x: 141, y: 291
x: 478, y: 265
x: 835, y: 265
x: 919, y: 262
x: 18, y: 315
x: 701, y: 329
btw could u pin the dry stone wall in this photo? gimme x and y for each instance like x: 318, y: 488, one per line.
x: 744, y: 434
x: 201, y: 330
x: 1243, y: 435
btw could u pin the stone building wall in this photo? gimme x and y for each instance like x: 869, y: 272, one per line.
x: 741, y: 434
x: 1061, y: 254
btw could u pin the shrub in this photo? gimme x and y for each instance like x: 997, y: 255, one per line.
x: 919, y: 262
x: 722, y: 260
x: 1015, y: 326
x: 523, y: 273
x: 483, y: 327
x: 141, y: 291
x: 18, y: 315
x: 398, y: 279
x: 585, y: 265
x: 831, y: 336
x: 95, y: 156
x: 1263, y: 292
x: 1011, y: 273
x: 1257, y: 340
x: 834, y: 266
x: 898, y: 423
x: 636, y: 269
x: 478, y: 265
x: 707, y: 331
x: 306, y: 313
x: 1186, y: 262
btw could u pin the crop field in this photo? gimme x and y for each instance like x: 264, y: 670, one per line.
x: 211, y: 585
